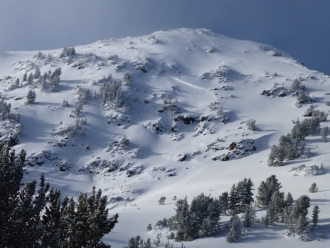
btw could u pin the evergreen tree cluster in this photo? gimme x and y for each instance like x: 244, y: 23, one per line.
x: 35, y: 217
x: 287, y: 147
x: 138, y: 242
x: 49, y: 81
x: 201, y: 218
x: 67, y: 51
x: 280, y: 209
x: 81, y: 96
x: 5, y: 112
x: 312, y: 112
x: 111, y: 94
x: 297, y: 86
x: 239, y: 197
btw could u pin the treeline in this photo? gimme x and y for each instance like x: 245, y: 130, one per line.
x: 201, y: 217
x: 34, y: 216
x: 288, y: 146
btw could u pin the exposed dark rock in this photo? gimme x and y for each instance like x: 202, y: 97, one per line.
x: 232, y: 146
x: 182, y: 157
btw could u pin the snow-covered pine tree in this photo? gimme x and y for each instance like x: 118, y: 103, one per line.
x: 51, y: 220
x: 37, y: 73
x: 161, y: 200
x: 234, y: 229
x: 245, y: 195
x: 300, y: 225
x: 266, y: 189
x: 315, y: 215
x: 270, y: 215
x: 272, y: 156
x: 277, y: 201
x: 89, y: 222
x: 223, y: 199
x: 313, y: 188
x: 65, y: 104
x: 233, y: 200
x: 220, y: 111
x: 30, y: 97
x: 30, y: 79
x: 249, y: 216
x: 324, y: 133
x: 24, y: 77
x: 127, y: 78
x: 301, y: 207
x: 288, y: 219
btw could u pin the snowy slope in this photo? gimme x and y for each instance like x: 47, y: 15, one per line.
x: 177, y: 75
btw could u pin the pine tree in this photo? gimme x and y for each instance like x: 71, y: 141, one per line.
x: 288, y: 219
x: 24, y: 77
x: 147, y: 244
x: 315, y: 215
x: 288, y: 200
x: 233, y: 200
x: 37, y: 73
x: 234, y: 229
x: 301, y: 207
x: 324, y: 133
x: 270, y: 215
x: 35, y: 216
x: 161, y: 200
x: 300, y: 225
x: 30, y: 97
x: 266, y: 190
x: 277, y: 201
x: 65, y: 104
x: 223, y: 199
x: 249, y: 216
x: 127, y: 78
x: 313, y: 188
x: 30, y: 79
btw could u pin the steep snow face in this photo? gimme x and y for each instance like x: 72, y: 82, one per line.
x: 178, y: 127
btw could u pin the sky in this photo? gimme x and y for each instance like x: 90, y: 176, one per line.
x: 299, y: 27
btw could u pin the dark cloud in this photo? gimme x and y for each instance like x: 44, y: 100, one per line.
x: 300, y: 27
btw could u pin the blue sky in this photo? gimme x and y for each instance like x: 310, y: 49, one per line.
x: 299, y: 27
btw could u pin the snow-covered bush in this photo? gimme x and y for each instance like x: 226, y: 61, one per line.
x: 313, y: 188
x: 161, y: 200
x: 251, y: 124
x: 14, y: 85
x: 303, y: 97
x: 67, y: 51
x: 127, y: 78
x: 124, y: 142
x: 30, y: 97
x: 41, y: 56
x: 113, y: 58
x: 297, y: 85
x: 80, y: 96
x: 5, y: 112
x: 65, y: 104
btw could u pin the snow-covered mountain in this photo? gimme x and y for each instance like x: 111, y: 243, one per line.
x: 176, y: 125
